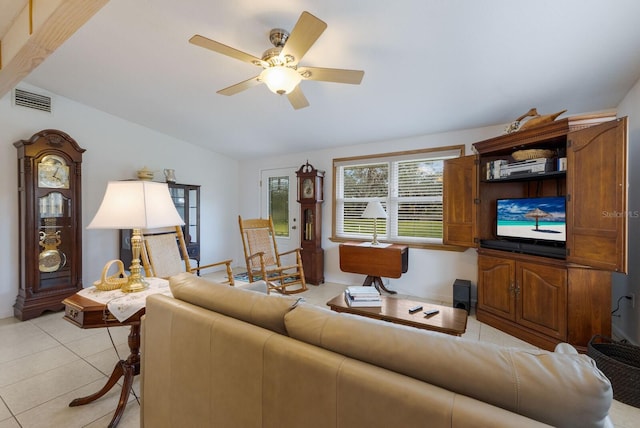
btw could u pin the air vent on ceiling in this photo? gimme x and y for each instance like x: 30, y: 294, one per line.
x: 31, y: 100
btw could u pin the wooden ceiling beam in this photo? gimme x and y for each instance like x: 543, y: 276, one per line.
x: 37, y: 32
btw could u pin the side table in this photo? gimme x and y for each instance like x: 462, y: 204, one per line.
x: 127, y: 310
x: 87, y: 313
x: 390, y: 261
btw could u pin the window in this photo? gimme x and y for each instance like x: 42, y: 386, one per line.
x: 407, y: 184
x: 279, y: 205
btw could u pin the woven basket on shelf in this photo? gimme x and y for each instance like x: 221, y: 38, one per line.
x: 521, y: 155
x: 620, y: 362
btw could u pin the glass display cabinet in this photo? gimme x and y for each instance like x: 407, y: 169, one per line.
x: 186, y: 198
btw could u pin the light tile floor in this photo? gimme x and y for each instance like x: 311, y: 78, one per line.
x: 47, y: 362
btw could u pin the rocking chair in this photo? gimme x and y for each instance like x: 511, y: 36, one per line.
x: 164, y: 254
x: 265, y: 262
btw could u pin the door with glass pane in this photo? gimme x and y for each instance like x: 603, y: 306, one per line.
x: 278, y: 196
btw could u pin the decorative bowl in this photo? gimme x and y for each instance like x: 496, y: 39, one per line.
x: 145, y: 174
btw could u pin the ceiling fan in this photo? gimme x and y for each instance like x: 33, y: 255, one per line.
x: 281, y: 72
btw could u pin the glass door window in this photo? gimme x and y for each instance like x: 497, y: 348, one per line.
x: 278, y: 188
x: 279, y: 201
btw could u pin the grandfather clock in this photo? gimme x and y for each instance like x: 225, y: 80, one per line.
x: 50, y: 216
x: 311, y: 196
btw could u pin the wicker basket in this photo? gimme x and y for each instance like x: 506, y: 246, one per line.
x: 620, y: 362
x: 521, y: 155
x: 112, y: 282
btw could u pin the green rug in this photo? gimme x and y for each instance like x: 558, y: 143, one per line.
x: 244, y: 277
x: 241, y: 277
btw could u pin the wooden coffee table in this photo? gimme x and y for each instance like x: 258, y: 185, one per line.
x: 449, y: 320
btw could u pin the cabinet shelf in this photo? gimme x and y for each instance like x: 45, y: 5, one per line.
x: 529, y: 177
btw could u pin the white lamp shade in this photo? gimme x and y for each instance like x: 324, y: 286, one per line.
x: 374, y: 210
x: 280, y: 79
x: 136, y: 205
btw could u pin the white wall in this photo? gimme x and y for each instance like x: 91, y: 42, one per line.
x: 115, y: 149
x: 628, y: 324
x: 431, y: 273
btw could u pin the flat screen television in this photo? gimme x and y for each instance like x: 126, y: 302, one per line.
x: 540, y: 220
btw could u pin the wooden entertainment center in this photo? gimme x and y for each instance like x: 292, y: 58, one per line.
x: 534, y: 292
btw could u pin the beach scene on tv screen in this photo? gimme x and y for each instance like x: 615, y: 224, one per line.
x: 532, y: 218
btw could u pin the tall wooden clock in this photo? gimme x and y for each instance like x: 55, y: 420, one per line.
x: 50, y: 216
x: 311, y: 196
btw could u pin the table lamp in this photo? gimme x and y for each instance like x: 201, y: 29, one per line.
x: 136, y: 205
x: 375, y: 211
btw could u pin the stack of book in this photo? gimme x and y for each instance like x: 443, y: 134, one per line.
x: 494, y: 169
x: 362, y: 296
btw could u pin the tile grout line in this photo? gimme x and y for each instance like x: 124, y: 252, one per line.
x: 80, y: 357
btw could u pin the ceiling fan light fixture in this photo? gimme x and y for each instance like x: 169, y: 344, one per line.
x: 280, y: 64
x: 280, y: 79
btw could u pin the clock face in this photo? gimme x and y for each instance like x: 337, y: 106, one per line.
x: 53, y: 172
x: 307, y: 188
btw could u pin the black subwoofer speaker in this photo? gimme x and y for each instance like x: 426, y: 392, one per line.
x: 462, y: 294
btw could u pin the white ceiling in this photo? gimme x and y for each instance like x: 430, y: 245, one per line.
x: 430, y: 66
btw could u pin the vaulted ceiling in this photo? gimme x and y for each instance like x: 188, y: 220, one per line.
x: 430, y: 66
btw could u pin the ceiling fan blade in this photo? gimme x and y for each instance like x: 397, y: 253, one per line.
x: 303, y: 36
x: 337, y: 75
x: 206, y: 43
x: 239, y: 87
x: 297, y: 98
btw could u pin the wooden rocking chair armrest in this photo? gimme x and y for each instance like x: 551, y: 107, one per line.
x: 295, y: 250
x: 227, y: 263
x: 223, y: 262
x: 259, y: 255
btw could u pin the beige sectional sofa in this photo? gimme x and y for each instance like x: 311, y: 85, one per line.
x: 218, y: 356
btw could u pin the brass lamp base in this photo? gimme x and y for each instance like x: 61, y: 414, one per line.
x: 133, y: 285
x: 136, y: 281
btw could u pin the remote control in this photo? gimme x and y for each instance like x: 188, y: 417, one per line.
x: 431, y: 312
x: 415, y: 309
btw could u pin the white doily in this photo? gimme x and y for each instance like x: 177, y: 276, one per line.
x: 123, y: 305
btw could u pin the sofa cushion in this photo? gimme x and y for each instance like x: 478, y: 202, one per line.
x: 256, y: 308
x: 560, y: 389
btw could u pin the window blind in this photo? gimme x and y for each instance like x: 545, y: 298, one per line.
x: 409, y: 187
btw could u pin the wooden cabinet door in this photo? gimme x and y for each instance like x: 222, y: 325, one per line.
x: 597, y: 196
x: 496, y: 286
x: 541, y: 298
x: 589, y: 303
x: 459, y: 195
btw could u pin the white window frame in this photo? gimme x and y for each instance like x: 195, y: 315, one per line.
x: 391, y: 202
